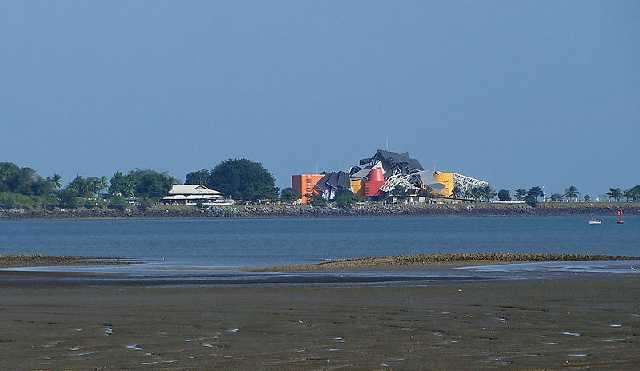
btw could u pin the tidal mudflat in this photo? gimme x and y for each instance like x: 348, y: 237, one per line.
x: 585, y: 321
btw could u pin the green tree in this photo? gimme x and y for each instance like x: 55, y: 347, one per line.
x: 633, y: 194
x: 118, y: 203
x: 43, y: 187
x: 8, y: 173
x: 24, y: 188
x: 88, y: 187
x: 487, y: 193
x: 586, y: 198
x: 474, y: 193
x: 152, y: 184
x: 615, y: 193
x: 10, y: 200
x: 243, y: 179
x: 79, y: 187
x: 199, y: 177
x: 289, y: 195
x: 535, y: 192
x: 531, y: 200
x: 483, y: 192
x: 69, y: 199
x: 345, y: 199
x: 25, y: 181
x: 317, y: 200
x: 56, y: 180
x: 142, y: 184
x: 521, y: 194
x: 145, y: 203
x: 122, y: 185
x: 504, y: 195
x: 572, y: 193
x: 556, y: 197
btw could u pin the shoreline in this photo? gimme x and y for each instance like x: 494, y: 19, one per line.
x: 434, y: 260
x: 368, y: 210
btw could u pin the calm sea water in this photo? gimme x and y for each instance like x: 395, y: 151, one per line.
x: 259, y: 242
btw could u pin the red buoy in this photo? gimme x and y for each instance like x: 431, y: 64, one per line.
x: 619, y: 216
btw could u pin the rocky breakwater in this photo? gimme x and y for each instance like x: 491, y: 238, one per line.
x: 381, y: 209
x: 366, y: 209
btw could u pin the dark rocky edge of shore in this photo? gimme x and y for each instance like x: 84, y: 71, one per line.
x: 439, y: 259
x: 370, y: 209
x: 9, y: 261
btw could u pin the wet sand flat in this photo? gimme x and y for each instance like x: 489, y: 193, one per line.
x: 553, y: 324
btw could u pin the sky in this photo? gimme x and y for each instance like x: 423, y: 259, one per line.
x: 519, y: 93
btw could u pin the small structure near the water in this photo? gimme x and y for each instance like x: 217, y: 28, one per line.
x: 195, y: 195
x: 619, y: 216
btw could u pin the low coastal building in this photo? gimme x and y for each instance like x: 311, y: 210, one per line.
x: 387, y: 176
x: 194, y: 195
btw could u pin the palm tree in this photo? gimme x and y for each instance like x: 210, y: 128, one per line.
x: 615, y: 193
x: 487, y: 192
x: 628, y: 195
x: 572, y: 193
x: 503, y: 195
x: 556, y: 197
x: 483, y: 192
x: 535, y: 192
x: 635, y: 193
x: 103, y: 183
x: 531, y: 200
x: 56, y: 180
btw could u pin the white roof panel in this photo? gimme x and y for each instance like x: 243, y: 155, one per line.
x: 188, y: 189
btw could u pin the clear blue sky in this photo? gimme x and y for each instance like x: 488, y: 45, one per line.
x: 517, y: 92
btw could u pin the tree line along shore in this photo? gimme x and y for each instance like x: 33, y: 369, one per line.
x: 24, y: 193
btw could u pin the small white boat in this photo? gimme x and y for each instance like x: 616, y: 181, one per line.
x: 594, y: 221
